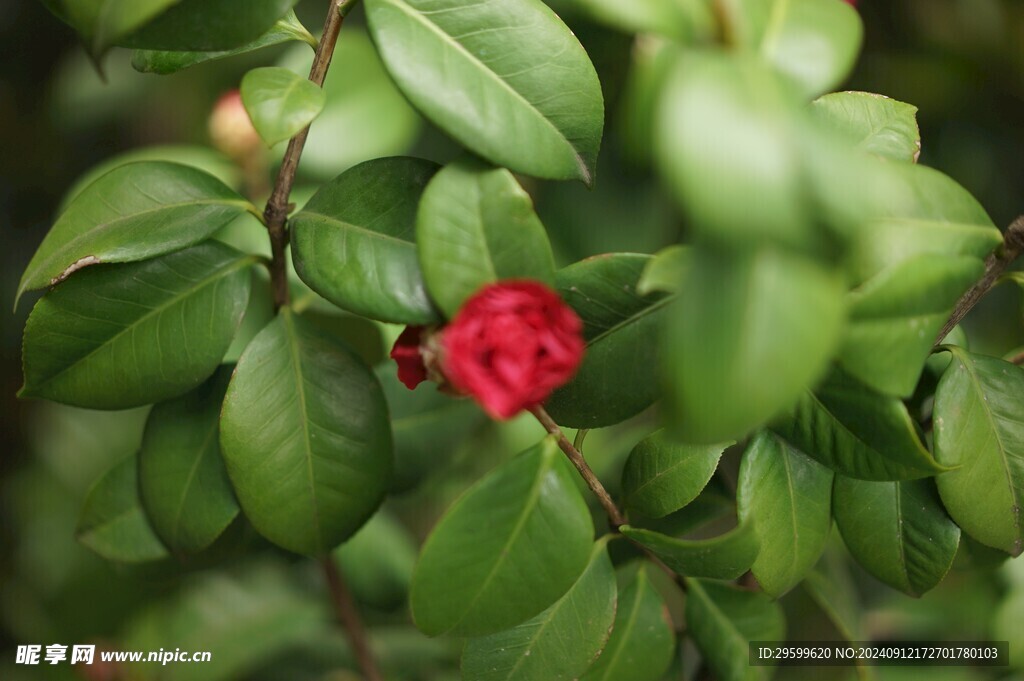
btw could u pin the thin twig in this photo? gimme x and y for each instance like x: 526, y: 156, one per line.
x: 614, y: 514
x: 995, y: 265
x: 276, y: 213
x: 348, y: 615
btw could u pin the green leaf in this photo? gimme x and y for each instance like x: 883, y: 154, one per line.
x: 683, y: 20
x: 102, y: 23
x: 897, y: 531
x: 832, y: 588
x: 662, y: 476
x: 728, y: 130
x: 476, y: 578
x: 723, y: 619
x: 475, y: 226
x: 120, y: 336
x: 355, y: 243
x: 164, y: 62
x: 878, y: 125
x: 857, y: 432
x: 814, y: 42
x: 617, y: 378
x: 428, y: 427
x: 136, y: 211
x: 113, y: 523
x: 280, y: 103
x: 208, y: 25
x: 736, y: 359
x: 182, y: 480
x: 560, y: 643
x: 789, y: 496
x: 895, y: 316
x: 305, y: 435
x: 979, y: 428
x: 484, y: 73
x: 664, y: 272
x: 643, y: 639
x: 727, y: 556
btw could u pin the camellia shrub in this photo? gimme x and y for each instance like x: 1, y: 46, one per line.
x: 806, y: 325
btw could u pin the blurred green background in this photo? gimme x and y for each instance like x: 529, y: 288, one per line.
x: 960, y: 61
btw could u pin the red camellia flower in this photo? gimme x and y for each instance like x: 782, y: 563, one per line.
x: 411, y: 368
x: 511, y: 345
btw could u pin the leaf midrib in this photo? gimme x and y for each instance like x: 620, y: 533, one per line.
x: 406, y: 9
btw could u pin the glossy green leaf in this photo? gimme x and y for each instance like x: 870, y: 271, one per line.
x: 113, y: 523
x: 814, y: 42
x: 280, y: 103
x: 831, y: 586
x: 723, y: 619
x: 476, y: 578
x: 355, y: 241
x: 895, y: 316
x: 485, y: 74
x: 182, y: 480
x: 560, y: 643
x: 683, y: 20
x: 305, y: 435
x: 428, y: 426
x: 102, y: 23
x: 120, y: 336
x: 664, y: 272
x: 476, y: 225
x: 164, y: 62
x: 727, y: 556
x: 897, y: 531
x: 642, y: 643
x: 617, y: 378
x: 136, y: 211
x: 789, y: 497
x: 728, y: 130
x: 857, y: 432
x: 737, y: 358
x: 875, y: 123
x: 979, y: 428
x: 662, y: 476
x: 208, y: 25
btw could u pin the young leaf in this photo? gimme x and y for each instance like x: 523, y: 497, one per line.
x: 789, y: 496
x: 305, y: 435
x: 814, y: 42
x: 857, y: 432
x: 280, y: 103
x: 120, y: 336
x: 476, y: 578
x: 112, y: 522
x: 724, y: 557
x: 354, y: 243
x: 664, y: 271
x: 897, y: 531
x: 662, y: 476
x: 683, y: 20
x: 560, y: 643
x: 979, y: 429
x: 476, y: 225
x: 894, y: 318
x: 182, y: 480
x: 484, y: 73
x: 774, y: 316
x: 875, y: 123
x: 618, y: 378
x: 643, y: 640
x: 136, y: 211
x: 208, y: 25
x: 724, y: 619
x: 164, y: 62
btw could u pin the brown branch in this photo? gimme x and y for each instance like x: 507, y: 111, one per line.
x: 348, y: 615
x: 995, y: 265
x: 276, y: 213
x: 614, y: 514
